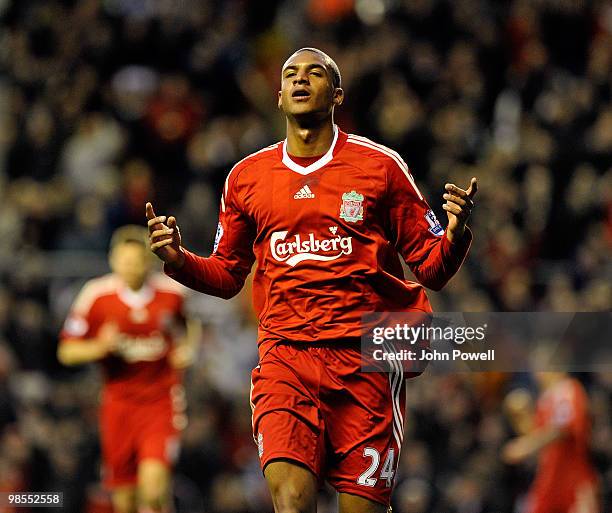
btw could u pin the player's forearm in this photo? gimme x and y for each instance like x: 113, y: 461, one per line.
x: 193, y: 332
x: 443, y: 261
x: 522, y: 424
x: 207, y: 275
x: 542, y: 437
x: 192, y: 335
x: 80, y: 352
x: 534, y: 442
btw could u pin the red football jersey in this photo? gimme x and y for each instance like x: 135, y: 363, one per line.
x: 326, y: 238
x: 564, y: 466
x: 147, y: 322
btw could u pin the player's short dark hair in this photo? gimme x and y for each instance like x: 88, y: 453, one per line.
x: 332, y: 67
x: 130, y: 233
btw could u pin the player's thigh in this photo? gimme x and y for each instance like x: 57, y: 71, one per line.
x: 586, y: 499
x: 348, y: 503
x: 293, y: 487
x: 153, y: 481
x: 124, y: 499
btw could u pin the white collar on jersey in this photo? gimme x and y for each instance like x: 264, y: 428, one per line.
x: 135, y: 299
x: 325, y: 159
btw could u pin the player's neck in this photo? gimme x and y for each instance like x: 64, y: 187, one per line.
x: 134, y: 287
x: 311, y: 141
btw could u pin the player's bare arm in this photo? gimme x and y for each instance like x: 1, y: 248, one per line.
x: 518, y: 407
x: 458, y: 206
x: 165, y: 238
x: 78, y: 352
x: 184, y: 353
x: 523, y: 447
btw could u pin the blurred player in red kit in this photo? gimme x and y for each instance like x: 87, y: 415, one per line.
x: 132, y: 322
x: 325, y: 215
x: 558, y: 432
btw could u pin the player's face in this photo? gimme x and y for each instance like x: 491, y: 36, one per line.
x: 131, y: 262
x: 307, y: 89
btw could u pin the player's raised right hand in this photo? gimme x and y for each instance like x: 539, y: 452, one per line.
x: 165, y: 238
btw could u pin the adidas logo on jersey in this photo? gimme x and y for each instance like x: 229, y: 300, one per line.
x: 304, y: 193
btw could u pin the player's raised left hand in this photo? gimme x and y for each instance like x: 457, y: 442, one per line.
x: 458, y: 206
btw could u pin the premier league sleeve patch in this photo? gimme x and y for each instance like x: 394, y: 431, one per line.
x: 218, y: 236
x: 434, y: 225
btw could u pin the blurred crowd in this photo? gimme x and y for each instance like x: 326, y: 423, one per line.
x: 105, y: 104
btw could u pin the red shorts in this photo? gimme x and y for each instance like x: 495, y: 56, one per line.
x: 312, y: 405
x: 131, y: 432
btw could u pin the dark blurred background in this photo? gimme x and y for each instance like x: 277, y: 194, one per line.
x: 105, y: 104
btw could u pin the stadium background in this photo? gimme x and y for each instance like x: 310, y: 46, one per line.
x: 107, y: 104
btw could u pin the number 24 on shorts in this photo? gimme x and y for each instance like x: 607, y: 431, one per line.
x: 386, y: 472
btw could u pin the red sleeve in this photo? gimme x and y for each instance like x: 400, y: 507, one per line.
x: 224, y: 272
x: 417, y: 234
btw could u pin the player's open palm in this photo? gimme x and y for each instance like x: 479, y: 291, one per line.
x: 458, y: 206
x: 164, y: 238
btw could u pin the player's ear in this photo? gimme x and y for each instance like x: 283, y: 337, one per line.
x: 338, y: 96
x: 112, y: 258
x: 280, y: 100
x: 149, y: 259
